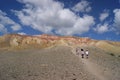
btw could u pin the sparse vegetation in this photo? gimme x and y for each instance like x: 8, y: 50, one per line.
x: 112, y: 54
x: 118, y: 55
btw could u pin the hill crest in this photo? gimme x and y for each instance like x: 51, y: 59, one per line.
x: 45, y: 40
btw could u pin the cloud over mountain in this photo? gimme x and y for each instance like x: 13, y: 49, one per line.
x: 5, y: 22
x: 117, y: 19
x: 49, y: 16
x: 102, y: 28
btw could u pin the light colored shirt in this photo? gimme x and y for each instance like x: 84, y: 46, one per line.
x: 87, y: 52
x: 82, y: 52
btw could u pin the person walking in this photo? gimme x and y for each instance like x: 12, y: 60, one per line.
x: 82, y: 53
x: 87, y: 53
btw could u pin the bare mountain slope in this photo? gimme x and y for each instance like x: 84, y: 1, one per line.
x: 47, y: 57
x: 58, y: 63
x: 109, y: 47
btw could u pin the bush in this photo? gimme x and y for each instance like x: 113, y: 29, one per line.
x: 112, y: 54
x: 118, y: 55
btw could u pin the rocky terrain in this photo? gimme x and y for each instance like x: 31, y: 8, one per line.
x: 48, y: 57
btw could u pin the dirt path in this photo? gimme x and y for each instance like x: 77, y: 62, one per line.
x: 93, y: 69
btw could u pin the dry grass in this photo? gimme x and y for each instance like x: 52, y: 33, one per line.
x: 109, y: 47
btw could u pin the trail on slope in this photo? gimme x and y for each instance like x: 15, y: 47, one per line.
x: 93, y: 68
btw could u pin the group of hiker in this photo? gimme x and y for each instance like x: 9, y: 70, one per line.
x: 82, y: 52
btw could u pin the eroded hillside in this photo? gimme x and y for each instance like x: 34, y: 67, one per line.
x: 41, y: 41
x: 16, y: 41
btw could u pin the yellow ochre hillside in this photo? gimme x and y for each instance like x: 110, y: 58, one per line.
x: 16, y: 40
x: 42, y: 41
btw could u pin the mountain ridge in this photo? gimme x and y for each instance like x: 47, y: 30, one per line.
x: 17, y: 41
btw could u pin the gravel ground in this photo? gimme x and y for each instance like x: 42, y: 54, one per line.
x: 57, y: 63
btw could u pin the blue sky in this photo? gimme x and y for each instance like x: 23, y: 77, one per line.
x: 97, y: 19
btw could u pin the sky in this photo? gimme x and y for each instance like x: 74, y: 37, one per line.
x: 97, y: 19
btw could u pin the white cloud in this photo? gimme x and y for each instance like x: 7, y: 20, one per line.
x: 49, y: 15
x: 6, y: 21
x: 3, y: 29
x: 104, y: 15
x: 22, y: 33
x: 16, y: 27
x: 83, y: 6
x: 102, y: 28
x: 117, y: 19
x: 81, y: 25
